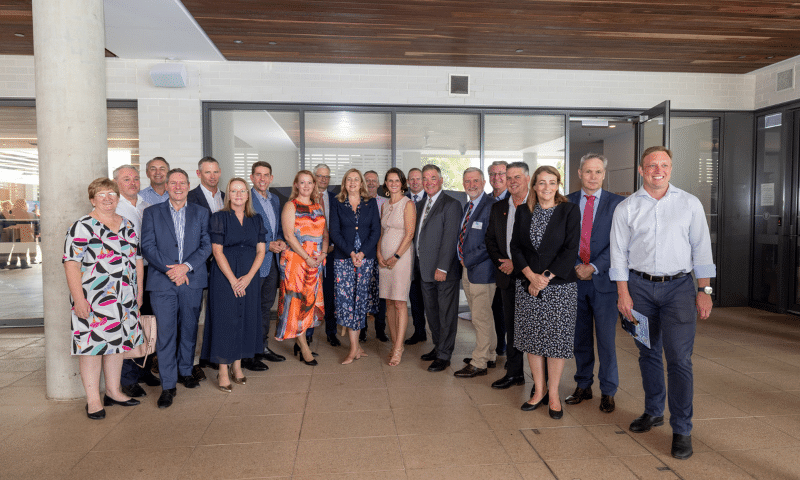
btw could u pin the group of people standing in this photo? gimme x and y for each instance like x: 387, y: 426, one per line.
x: 537, y: 267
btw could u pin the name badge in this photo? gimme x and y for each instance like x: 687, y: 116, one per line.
x: 477, y: 225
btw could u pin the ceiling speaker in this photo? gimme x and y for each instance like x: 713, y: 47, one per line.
x: 169, y: 75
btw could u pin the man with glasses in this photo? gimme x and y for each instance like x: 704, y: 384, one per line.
x: 322, y: 174
x: 497, y: 179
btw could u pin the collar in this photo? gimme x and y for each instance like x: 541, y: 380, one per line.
x: 219, y: 192
x: 596, y: 194
x: 256, y: 192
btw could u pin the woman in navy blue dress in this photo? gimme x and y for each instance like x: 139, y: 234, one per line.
x: 234, y: 328
x: 355, y: 227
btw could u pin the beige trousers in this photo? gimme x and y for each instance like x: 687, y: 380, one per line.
x: 479, y: 299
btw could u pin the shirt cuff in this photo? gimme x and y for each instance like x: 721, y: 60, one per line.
x: 443, y: 271
x: 188, y: 265
x: 618, y: 275
x: 705, y: 271
x: 595, y: 269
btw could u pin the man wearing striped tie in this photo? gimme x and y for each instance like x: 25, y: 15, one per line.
x: 597, y: 294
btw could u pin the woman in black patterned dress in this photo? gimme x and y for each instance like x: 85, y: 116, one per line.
x: 544, y: 248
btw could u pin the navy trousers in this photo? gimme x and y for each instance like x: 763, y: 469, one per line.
x: 597, y: 315
x: 268, y: 286
x: 417, y: 305
x: 670, y: 308
x: 499, y: 321
x: 328, y: 295
x: 177, y: 315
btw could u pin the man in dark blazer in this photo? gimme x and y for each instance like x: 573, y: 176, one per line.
x: 176, y: 244
x: 267, y: 205
x: 207, y: 194
x: 438, y: 221
x: 597, y: 294
x: 478, y: 279
x: 498, y: 238
x: 417, y: 195
x: 497, y: 179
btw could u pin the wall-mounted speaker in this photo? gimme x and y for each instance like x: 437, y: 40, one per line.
x: 459, y: 85
x: 169, y: 75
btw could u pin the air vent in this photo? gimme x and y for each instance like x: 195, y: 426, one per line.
x: 785, y: 80
x: 459, y: 85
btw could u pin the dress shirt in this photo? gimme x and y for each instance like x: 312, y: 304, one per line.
x: 661, y: 237
x: 501, y: 196
x: 150, y: 196
x: 133, y: 212
x: 214, y: 199
x: 266, y: 204
x: 432, y: 201
x: 582, y: 205
x: 464, y: 216
x: 512, y: 213
x: 179, y: 221
x: 418, y: 195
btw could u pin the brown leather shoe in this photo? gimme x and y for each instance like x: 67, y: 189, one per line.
x: 607, y: 403
x: 579, y: 395
x: 470, y: 371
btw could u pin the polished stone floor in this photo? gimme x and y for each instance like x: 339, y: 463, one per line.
x: 368, y: 420
x: 21, y: 293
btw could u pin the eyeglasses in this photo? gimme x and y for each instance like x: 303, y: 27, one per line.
x: 500, y: 174
x: 102, y: 196
x: 238, y: 192
x: 324, y: 176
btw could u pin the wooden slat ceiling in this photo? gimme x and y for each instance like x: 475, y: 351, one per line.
x: 675, y: 36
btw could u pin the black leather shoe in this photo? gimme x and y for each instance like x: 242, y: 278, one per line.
x: 188, y: 381
x: 98, y: 415
x: 108, y: 401
x: 500, y: 351
x: 508, y: 381
x: 681, y: 446
x: 334, y: 341
x: 165, y: 400
x: 645, y: 423
x: 579, y: 395
x: 362, y: 337
x: 133, y: 391
x: 415, y: 339
x: 430, y: 356
x: 381, y: 336
x: 470, y: 371
x: 607, y: 403
x: 150, y: 379
x: 207, y: 364
x: 528, y: 407
x: 438, y: 365
x: 198, y: 373
x: 270, y: 356
x: 555, y: 414
x: 254, y: 365
x: 489, y: 363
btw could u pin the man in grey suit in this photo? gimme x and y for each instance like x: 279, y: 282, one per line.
x: 435, y: 242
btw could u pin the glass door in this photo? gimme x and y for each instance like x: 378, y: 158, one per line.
x: 652, y: 128
x: 794, y: 227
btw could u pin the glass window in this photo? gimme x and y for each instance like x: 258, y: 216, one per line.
x: 344, y: 140
x: 534, y: 139
x: 449, y: 141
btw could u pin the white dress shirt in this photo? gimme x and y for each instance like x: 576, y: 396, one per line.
x: 133, y: 212
x: 214, y: 199
x: 512, y: 214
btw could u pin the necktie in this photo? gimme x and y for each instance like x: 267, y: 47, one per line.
x: 424, y: 217
x: 586, y: 229
x: 463, y: 232
x: 322, y: 203
x: 415, y: 198
x: 427, y: 209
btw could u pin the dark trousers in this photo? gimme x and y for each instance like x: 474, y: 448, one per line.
x: 597, y: 315
x: 268, y: 286
x: 670, y: 308
x: 514, y: 360
x: 131, y: 372
x: 177, y: 315
x: 328, y: 295
x: 441, y: 308
x: 380, y: 318
x: 499, y: 321
x: 417, y: 305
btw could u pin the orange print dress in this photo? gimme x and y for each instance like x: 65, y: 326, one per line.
x: 300, y: 302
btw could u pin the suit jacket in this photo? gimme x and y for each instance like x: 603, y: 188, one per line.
x: 423, y: 198
x: 503, y: 196
x: 160, y: 247
x: 269, y: 257
x: 496, y: 241
x: 342, y: 228
x: 480, y: 268
x: 329, y: 197
x: 599, y: 253
x: 559, y: 245
x: 437, y: 238
x: 197, y: 196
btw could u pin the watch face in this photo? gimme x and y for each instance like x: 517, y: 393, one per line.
x: 708, y: 290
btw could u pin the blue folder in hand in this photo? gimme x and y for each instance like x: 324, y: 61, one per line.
x: 639, y: 328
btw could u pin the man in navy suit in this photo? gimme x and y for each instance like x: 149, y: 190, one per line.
x: 208, y: 194
x: 478, y: 280
x: 176, y: 244
x: 497, y: 179
x: 418, y: 195
x: 268, y: 206
x: 597, y: 294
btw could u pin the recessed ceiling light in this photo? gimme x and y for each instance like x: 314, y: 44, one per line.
x: 237, y: 41
x: 19, y: 34
x: 770, y: 57
x: 273, y: 43
x: 742, y: 56
x: 519, y: 50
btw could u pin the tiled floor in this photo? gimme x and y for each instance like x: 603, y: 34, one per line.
x: 368, y: 420
x: 21, y: 293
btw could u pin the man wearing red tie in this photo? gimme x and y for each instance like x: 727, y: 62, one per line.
x: 597, y: 294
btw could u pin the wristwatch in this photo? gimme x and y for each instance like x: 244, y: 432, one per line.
x: 397, y: 256
x: 706, y: 290
x: 548, y: 274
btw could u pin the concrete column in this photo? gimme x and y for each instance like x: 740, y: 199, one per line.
x: 69, y: 56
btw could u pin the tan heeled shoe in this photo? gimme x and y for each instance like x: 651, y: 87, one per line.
x: 224, y: 388
x: 237, y: 381
x: 397, y: 355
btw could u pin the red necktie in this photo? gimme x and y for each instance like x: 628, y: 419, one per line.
x: 586, y: 229
x: 463, y: 232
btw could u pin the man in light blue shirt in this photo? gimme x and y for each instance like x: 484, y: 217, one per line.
x: 659, y: 235
x: 156, y: 171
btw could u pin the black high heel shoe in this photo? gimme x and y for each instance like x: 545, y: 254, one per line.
x: 297, y: 350
x: 108, y: 401
x: 527, y: 407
